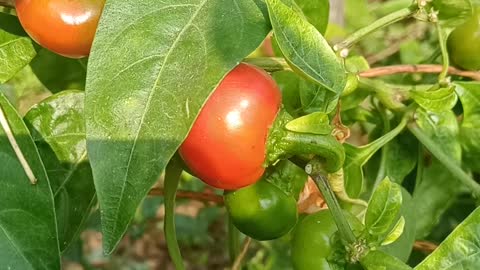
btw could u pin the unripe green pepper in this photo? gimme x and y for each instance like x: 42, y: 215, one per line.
x: 262, y: 210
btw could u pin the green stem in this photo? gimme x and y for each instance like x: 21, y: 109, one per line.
x: 173, y: 172
x: 382, y: 141
x: 233, y: 240
x: 315, y: 170
x: 448, y: 162
x: 270, y: 64
x: 443, y: 48
x: 284, y: 144
x: 380, y: 23
x: 420, y: 167
x: 383, y: 161
x: 391, y: 96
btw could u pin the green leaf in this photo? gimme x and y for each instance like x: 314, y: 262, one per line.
x: 16, y: 49
x: 304, y: 47
x: 288, y: 82
x: 438, y: 100
x: 436, y: 192
x: 402, y: 247
x: 28, y: 229
x: 383, y: 208
x: 378, y: 260
x: 57, y: 125
x: 146, y: 84
x: 316, y: 98
x: 452, y: 13
x: 437, y: 183
x: 356, y: 157
x: 441, y: 128
x: 288, y: 177
x: 58, y: 73
x: 304, y: 97
x: 469, y: 94
x: 314, y: 123
x: 460, y: 250
x: 401, y: 157
x: 395, y: 233
x: 317, y: 12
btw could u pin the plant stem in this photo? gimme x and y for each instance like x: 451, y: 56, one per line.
x: 390, y: 97
x: 383, y: 161
x: 448, y: 162
x: 233, y: 240
x: 173, y: 171
x: 274, y: 64
x: 16, y: 148
x: 314, y: 169
x: 198, y: 196
x: 7, y: 3
x: 238, y: 261
x: 380, y: 23
x: 443, y: 48
x: 420, y: 166
x: 396, y: 69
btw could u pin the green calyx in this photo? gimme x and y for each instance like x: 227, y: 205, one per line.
x: 283, y: 143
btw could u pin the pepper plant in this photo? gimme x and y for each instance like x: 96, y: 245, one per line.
x: 256, y: 98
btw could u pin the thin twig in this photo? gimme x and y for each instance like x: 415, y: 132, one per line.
x: 425, y: 246
x: 395, y: 69
x: 16, y: 148
x: 238, y: 261
x: 199, y: 196
x: 7, y: 3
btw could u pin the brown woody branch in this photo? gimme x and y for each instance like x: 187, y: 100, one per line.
x: 199, y: 196
x: 7, y: 3
x: 396, y: 69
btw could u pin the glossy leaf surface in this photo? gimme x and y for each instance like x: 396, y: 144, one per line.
x: 16, y: 49
x: 304, y: 47
x: 158, y: 69
x: 28, y: 229
x: 461, y: 249
x: 384, y: 208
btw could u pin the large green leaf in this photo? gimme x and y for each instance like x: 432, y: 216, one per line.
x: 303, y: 97
x: 400, y: 157
x: 378, y: 260
x: 16, y: 49
x: 438, y: 188
x: 441, y: 128
x: 153, y: 65
x: 451, y: 13
x: 383, y: 208
x: 304, y: 47
x: 58, y: 73
x: 469, y: 93
x: 438, y: 100
x: 460, y: 250
x: 28, y: 229
x: 317, y: 12
x: 436, y: 192
x: 57, y: 125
